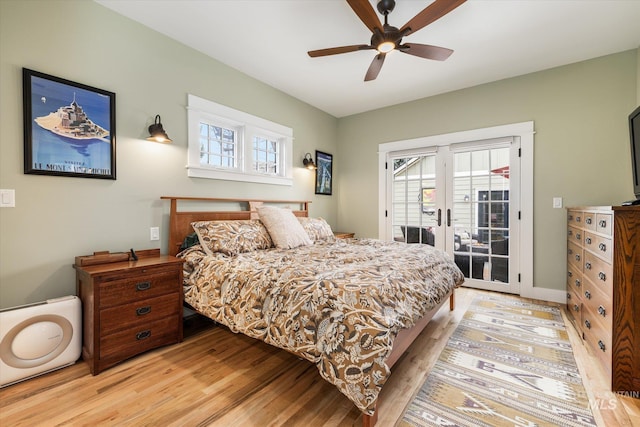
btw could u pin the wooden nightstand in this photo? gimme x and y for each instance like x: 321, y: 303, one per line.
x: 343, y: 235
x: 128, y: 306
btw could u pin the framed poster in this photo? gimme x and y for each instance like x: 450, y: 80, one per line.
x: 324, y: 173
x: 69, y: 128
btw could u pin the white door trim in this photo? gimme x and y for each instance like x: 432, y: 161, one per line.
x: 525, y: 132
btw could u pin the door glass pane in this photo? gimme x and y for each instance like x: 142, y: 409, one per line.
x: 481, y: 213
x: 413, y: 213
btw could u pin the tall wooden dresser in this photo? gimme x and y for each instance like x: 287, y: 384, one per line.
x: 603, y: 287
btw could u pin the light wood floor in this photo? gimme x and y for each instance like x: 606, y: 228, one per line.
x: 216, y: 378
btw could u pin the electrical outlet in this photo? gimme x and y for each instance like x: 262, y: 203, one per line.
x: 154, y: 233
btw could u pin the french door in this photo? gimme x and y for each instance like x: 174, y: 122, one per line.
x: 463, y: 199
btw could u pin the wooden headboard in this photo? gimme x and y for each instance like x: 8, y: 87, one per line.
x: 180, y: 221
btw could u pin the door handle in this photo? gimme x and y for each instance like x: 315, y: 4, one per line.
x: 448, y: 217
x: 439, y: 217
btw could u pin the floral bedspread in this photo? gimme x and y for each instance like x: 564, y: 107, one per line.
x: 339, y: 304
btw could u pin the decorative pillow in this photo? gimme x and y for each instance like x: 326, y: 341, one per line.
x: 232, y: 237
x: 284, y: 228
x: 318, y: 229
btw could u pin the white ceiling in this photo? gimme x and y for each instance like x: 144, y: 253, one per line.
x: 491, y: 39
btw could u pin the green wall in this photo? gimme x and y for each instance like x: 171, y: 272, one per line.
x: 581, y: 150
x: 58, y: 218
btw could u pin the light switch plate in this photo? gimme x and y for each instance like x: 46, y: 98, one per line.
x: 7, y: 198
x: 154, y: 233
x: 557, y: 202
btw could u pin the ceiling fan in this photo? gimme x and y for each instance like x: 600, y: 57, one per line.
x: 386, y: 38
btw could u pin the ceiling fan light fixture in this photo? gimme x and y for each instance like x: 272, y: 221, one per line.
x: 386, y: 47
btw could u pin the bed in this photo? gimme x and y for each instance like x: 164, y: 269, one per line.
x: 350, y: 306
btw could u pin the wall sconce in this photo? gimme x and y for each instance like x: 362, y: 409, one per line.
x: 466, y: 197
x: 308, y: 162
x: 157, y: 133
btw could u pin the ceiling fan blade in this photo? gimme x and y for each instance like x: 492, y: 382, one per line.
x: 374, y: 68
x: 434, y: 11
x: 337, y: 50
x: 365, y: 12
x: 426, y: 51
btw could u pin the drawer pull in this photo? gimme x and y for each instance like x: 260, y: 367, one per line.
x: 568, y: 295
x: 570, y: 251
x: 587, y: 294
x: 577, y: 283
x: 570, y: 217
x: 577, y: 257
x: 143, y: 335
x: 143, y: 286
x: 578, y: 219
x: 587, y: 324
x: 588, y: 240
x: 602, y: 247
x: 601, y: 345
x: 570, y: 274
x: 577, y: 236
x: 587, y: 265
x: 602, y: 276
x: 576, y: 307
x: 570, y: 232
x: 602, y: 223
x: 601, y: 311
x: 588, y: 220
x: 141, y: 311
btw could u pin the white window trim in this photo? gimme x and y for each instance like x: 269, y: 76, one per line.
x: 200, y: 109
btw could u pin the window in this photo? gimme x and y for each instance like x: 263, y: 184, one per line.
x: 229, y: 144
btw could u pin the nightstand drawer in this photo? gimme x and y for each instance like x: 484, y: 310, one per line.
x: 136, y: 287
x: 139, y: 312
x: 135, y: 340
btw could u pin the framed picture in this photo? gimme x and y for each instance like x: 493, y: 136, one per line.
x: 324, y: 173
x: 69, y: 128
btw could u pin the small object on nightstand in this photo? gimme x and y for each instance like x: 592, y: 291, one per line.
x: 134, y: 257
x: 343, y: 235
x: 128, y: 307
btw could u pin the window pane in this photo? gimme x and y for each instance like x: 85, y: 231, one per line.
x: 228, y: 135
x: 213, y: 151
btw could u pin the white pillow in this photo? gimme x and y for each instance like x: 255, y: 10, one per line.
x: 283, y: 227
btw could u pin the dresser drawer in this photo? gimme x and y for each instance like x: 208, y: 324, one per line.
x: 574, y: 255
x: 574, y: 278
x: 598, y: 303
x: 603, y: 223
x: 599, y: 272
x: 574, y: 306
x: 149, y: 283
x: 575, y: 235
x: 139, y: 312
x: 590, y: 221
x: 575, y: 218
x: 597, y: 337
x: 136, y: 340
x: 601, y: 246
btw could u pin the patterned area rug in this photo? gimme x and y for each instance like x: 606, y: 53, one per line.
x: 508, y: 363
